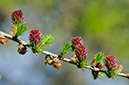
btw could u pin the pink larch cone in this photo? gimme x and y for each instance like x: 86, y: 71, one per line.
x: 76, y: 41
x: 110, y: 62
x: 17, y: 16
x: 35, y: 36
x: 81, y: 52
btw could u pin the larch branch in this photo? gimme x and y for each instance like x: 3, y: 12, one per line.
x: 57, y: 56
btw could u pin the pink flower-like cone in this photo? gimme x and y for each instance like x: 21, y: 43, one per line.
x: 110, y: 62
x: 76, y: 41
x: 35, y: 39
x: 17, y: 17
x: 81, y: 54
x: 35, y: 36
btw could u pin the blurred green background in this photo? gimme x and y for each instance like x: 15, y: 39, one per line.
x: 103, y: 25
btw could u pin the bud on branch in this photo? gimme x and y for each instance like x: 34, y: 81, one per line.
x: 37, y: 41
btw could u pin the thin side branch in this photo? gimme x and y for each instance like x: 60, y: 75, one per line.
x: 57, y: 56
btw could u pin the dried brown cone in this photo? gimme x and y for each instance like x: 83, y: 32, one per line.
x: 3, y: 39
x: 120, y: 68
x: 53, y: 61
x: 22, y: 49
x: 13, y: 31
x: 48, y: 61
x: 56, y: 63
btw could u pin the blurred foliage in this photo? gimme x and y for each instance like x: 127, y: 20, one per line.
x: 102, y: 24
